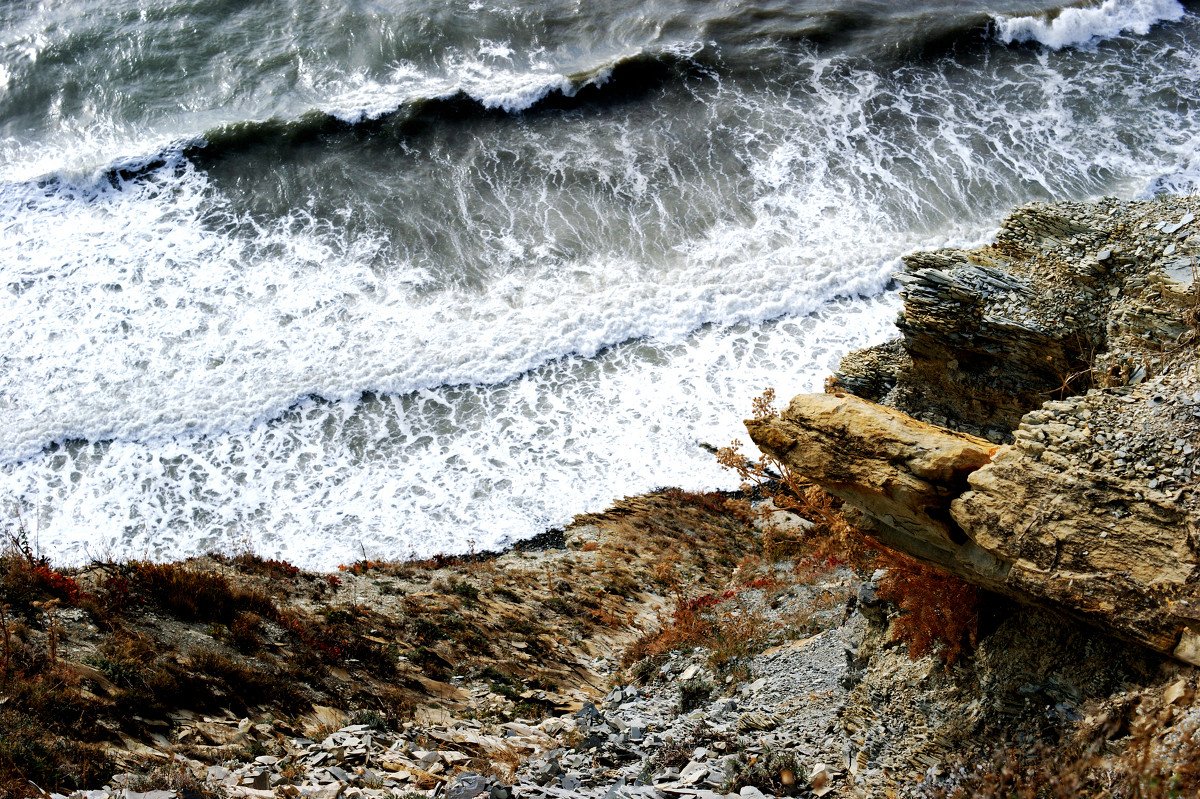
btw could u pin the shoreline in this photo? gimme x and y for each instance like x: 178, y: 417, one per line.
x: 678, y: 645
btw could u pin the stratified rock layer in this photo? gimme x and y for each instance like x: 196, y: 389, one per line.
x: 1094, y: 508
x: 1070, y: 295
x: 900, y: 471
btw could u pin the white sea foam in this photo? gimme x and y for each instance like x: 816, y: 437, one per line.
x: 492, y: 80
x: 1182, y: 178
x: 438, y: 470
x: 1072, y: 27
x: 142, y: 322
x: 491, y: 77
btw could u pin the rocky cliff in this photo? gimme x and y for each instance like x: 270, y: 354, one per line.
x: 1035, y: 428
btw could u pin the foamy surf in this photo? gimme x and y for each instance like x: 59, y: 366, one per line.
x: 441, y: 470
x: 1072, y: 27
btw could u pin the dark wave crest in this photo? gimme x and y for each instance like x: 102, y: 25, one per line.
x: 627, y: 80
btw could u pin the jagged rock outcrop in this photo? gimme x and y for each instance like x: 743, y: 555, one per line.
x: 1049, y: 309
x: 1120, y: 543
x: 1094, y: 508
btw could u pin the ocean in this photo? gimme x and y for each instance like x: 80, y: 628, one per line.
x: 390, y: 278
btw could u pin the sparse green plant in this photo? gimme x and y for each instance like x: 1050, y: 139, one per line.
x: 369, y: 717
x: 175, y: 776
x: 468, y: 592
x: 694, y: 693
x: 774, y: 772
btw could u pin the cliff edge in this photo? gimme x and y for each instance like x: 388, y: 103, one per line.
x: 1035, y: 428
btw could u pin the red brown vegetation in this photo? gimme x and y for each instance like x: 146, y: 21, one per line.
x: 938, y: 613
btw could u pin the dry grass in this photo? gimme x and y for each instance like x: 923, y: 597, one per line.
x: 731, y: 628
x: 500, y: 762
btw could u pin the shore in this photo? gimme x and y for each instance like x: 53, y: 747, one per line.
x: 774, y: 642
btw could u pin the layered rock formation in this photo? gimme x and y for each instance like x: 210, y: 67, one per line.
x: 1074, y: 338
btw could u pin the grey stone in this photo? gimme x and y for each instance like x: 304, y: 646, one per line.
x: 546, y: 770
x: 340, y: 775
x: 467, y: 786
x: 588, y: 712
x: 331, y: 791
x: 615, y: 791
x: 692, y: 773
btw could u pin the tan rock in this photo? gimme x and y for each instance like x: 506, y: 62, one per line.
x: 1008, y: 518
x: 322, y: 719
x: 901, y: 472
x: 1094, y: 508
x: 1041, y: 518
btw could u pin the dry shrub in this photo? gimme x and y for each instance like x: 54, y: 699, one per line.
x: 29, y: 752
x: 1162, y: 756
x: 740, y: 634
x: 665, y: 573
x: 771, y: 479
x: 729, y: 628
x: 1158, y: 759
x: 195, y: 594
x: 774, y: 772
x: 26, y: 577
x: 938, y: 612
x: 1039, y: 772
x: 1191, y: 315
x: 244, y: 631
x: 48, y: 730
x: 500, y: 762
x: 250, y: 563
x: 717, y: 503
x: 174, y: 776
